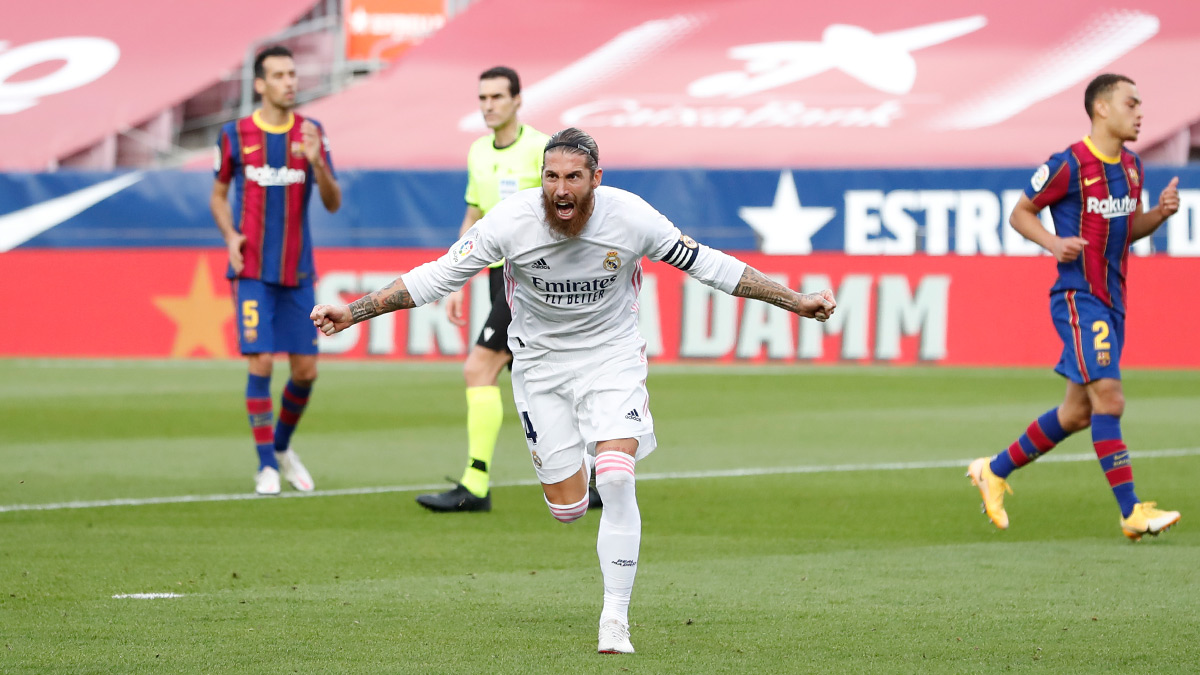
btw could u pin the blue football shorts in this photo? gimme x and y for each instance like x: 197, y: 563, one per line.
x: 1093, y: 335
x: 273, y: 318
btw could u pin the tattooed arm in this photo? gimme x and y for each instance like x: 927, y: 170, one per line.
x: 755, y: 285
x: 335, y: 318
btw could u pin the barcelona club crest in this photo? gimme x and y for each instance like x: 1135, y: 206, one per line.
x: 250, y: 335
x: 1103, y: 358
x: 1133, y: 175
x: 297, y: 149
x: 612, y: 262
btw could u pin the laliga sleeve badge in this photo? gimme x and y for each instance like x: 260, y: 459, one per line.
x: 612, y: 262
x: 1040, y: 177
x: 461, y: 250
x: 217, y: 158
x: 688, y: 241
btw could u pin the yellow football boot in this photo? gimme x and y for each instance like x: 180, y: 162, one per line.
x: 992, y: 489
x: 1146, y: 519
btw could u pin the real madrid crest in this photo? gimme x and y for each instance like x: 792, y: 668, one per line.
x: 612, y: 262
x: 537, y: 461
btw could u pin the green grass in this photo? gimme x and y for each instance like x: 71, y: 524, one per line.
x: 866, y: 571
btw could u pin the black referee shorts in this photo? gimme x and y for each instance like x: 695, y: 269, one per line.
x: 494, y: 335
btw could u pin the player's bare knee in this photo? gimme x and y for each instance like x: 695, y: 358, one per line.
x: 482, y: 367
x: 261, y: 364
x: 1075, y: 418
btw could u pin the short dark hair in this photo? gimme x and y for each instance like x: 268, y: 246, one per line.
x: 514, y: 82
x: 276, y: 50
x: 576, y: 142
x: 1101, y: 85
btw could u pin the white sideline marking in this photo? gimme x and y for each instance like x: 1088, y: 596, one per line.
x: 146, y: 596
x: 719, y: 473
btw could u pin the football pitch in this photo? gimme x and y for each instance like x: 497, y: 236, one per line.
x: 795, y: 519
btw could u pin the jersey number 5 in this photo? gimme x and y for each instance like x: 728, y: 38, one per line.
x: 250, y: 314
x: 1100, y: 328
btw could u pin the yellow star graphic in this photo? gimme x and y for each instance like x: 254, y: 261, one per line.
x: 199, y: 317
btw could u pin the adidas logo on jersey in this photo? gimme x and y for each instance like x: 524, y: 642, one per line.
x: 540, y: 264
x: 632, y: 415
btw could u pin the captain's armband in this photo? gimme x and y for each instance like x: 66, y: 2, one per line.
x: 683, y: 254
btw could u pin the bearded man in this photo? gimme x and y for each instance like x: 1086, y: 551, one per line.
x: 572, y: 272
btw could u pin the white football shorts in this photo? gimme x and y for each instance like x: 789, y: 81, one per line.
x: 566, y: 407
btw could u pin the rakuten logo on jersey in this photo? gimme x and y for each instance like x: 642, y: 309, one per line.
x: 269, y: 176
x: 1111, y: 207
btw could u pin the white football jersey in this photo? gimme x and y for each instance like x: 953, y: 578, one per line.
x: 572, y: 294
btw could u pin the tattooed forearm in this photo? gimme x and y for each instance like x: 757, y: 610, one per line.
x: 390, y: 298
x: 755, y: 285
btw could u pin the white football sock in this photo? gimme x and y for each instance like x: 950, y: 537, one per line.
x: 620, y: 534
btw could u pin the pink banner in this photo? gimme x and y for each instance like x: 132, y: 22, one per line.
x: 72, y: 73
x: 766, y: 83
x: 945, y: 310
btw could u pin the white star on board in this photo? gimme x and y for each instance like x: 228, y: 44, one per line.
x: 786, y: 227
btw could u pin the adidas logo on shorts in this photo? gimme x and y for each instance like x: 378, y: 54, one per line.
x: 540, y: 264
x: 632, y: 415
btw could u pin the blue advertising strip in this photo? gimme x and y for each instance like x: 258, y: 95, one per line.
x: 788, y: 212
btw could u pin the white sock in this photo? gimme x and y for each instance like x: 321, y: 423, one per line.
x: 620, y: 534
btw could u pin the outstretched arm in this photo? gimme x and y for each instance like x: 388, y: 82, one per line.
x: 335, y: 318
x: 756, y: 285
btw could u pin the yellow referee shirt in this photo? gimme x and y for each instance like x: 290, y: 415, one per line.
x: 493, y: 174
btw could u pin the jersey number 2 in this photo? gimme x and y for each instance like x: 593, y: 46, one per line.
x: 1100, y: 328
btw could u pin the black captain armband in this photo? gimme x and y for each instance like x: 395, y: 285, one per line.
x: 683, y: 254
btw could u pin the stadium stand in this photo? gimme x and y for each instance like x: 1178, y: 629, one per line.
x: 674, y: 83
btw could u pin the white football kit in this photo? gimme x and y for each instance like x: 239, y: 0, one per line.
x: 579, y: 366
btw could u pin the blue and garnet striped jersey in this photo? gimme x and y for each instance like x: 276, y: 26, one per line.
x: 272, y: 186
x: 1094, y: 196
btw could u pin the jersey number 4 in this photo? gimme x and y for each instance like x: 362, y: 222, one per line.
x: 529, y: 432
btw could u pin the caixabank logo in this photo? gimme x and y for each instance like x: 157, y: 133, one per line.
x: 760, y: 83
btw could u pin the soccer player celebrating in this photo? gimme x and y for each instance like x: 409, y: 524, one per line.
x: 274, y: 156
x: 498, y: 165
x: 573, y: 267
x: 1094, y: 191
